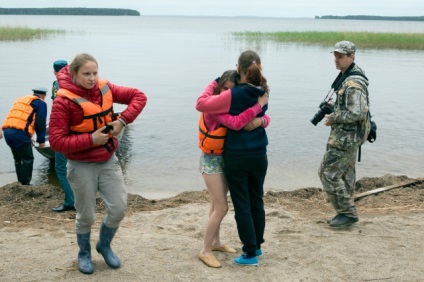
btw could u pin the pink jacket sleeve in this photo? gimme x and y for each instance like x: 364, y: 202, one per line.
x: 239, y: 121
x: 214, y: 104
x: 267, y: 120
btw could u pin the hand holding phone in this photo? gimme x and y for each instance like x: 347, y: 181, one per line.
x: 108, y: 129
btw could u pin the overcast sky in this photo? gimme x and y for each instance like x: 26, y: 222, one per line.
x: 260, y: 8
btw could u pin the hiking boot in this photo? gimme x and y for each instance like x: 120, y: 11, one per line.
x: 343, y: 221
x: 334, y: 218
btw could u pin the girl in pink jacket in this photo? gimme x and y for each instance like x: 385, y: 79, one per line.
x: 211, y: 141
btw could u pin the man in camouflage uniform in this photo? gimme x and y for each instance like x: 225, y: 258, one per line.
x: 350, y: 127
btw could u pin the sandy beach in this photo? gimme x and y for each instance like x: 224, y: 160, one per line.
x: 159, y: 239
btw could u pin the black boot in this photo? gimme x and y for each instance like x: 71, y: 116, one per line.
x: 334, y: 218
x: 18, y: 170
x: 26, y: 171
x: 103, y: 246
x: 343, y: 221
x: 84, y: 255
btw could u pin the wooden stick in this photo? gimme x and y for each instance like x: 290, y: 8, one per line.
x: 382, y: 189
x: 64, y: 219
x: 387, y: 208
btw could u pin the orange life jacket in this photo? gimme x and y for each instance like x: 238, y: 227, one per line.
x: 95, y: 116
x: 20, y: 113
x: 211, y: 142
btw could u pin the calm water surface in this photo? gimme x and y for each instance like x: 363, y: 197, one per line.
x: 172, y: 59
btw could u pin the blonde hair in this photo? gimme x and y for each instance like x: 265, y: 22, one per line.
x: 80, y: 60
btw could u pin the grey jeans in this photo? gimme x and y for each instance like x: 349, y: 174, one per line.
x: 86, y: 179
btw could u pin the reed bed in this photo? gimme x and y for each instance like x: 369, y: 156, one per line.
x: 24, y: 33
x: 374, y: 40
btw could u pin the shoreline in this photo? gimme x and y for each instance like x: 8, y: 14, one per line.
x: 9, y: 178
x: 159, y: 240
x: 25, y: 202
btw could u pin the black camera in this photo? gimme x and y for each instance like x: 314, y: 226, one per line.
x: 325, y: 108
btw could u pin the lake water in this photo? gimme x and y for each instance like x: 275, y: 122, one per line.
x: 172, y: 59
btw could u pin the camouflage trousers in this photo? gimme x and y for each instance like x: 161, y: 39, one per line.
x: 338, y: 177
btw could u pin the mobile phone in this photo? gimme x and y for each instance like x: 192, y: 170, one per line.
x: 108, y: 128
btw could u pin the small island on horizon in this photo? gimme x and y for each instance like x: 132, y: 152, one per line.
x: 80, y: 11
x: 69, y: 11
x: 370, y: 18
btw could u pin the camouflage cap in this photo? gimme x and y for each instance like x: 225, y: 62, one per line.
x: 344, y: 47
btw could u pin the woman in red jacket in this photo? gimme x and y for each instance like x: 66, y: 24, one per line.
x: 83, y: 127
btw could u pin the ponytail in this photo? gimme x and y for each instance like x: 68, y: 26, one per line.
x: 250, y: 64
x: 254, y: 76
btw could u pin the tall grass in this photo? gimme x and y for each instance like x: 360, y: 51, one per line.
x: 411, y: 41
x: 24, y: 33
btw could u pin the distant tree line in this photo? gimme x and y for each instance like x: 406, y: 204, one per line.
x: 379, y: 18
x: 69, y: 11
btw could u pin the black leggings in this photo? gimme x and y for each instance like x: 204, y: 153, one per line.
x: 246, y: 176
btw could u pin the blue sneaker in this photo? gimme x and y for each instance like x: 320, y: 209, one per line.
x: 259, y: 252
x: 244, y: 260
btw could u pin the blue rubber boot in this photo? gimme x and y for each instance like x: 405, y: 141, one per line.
x: 103, y: 246
x: 84, y: 255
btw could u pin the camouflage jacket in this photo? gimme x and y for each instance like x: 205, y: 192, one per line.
x: 350, y: 124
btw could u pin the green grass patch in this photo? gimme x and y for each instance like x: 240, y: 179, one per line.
x: 406, y: 41
x: 25, y: 33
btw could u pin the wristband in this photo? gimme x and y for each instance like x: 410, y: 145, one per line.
x: 123, y: 122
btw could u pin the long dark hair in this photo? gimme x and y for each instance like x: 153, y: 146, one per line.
x: 229, y: 75
x: 249, y: 63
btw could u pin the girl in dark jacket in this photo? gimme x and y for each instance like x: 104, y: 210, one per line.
x: 245, y: 159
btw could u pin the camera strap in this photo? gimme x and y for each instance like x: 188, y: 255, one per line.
x: 342, y: 77
x: 339, y: 81
x: 328, y: 96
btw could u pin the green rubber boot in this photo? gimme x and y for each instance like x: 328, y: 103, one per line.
x: 103, y: 246
x: 84, y: 255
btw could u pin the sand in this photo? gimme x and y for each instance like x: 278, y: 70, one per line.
x: 159, y: 239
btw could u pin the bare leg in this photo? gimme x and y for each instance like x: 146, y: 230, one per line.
x: 217, y: 188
